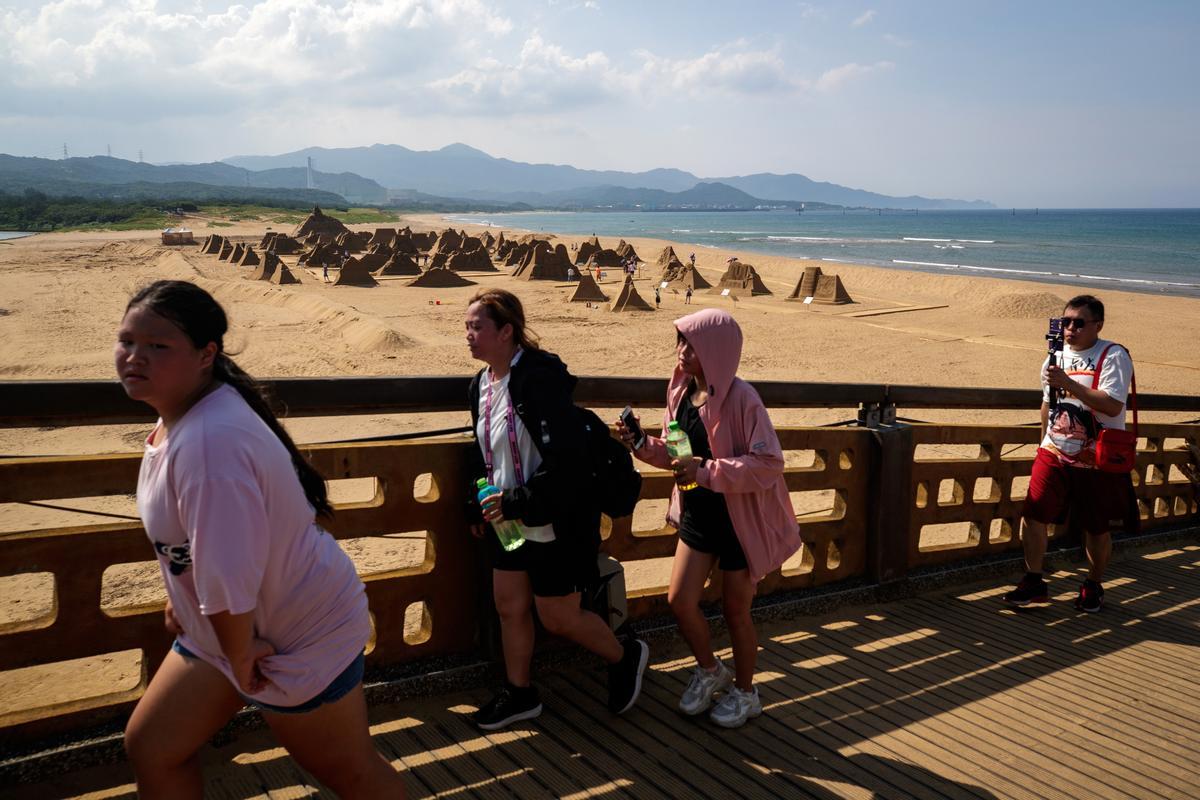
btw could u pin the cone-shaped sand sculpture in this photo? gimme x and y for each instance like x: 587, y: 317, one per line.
x: 354, y: 273
x: 249, y: 258
x: 399, y: 264
x: 440, y: 278
x: 629, y: 299
x: 587, y: 291
x: 318, y: 223
x: 282, y: 276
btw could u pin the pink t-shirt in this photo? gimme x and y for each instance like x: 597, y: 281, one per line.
x: 234, y: 532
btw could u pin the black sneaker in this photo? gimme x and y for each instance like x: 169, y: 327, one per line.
x: 1090, y: 597
x: 625, y: 677
x: 510, y: 704
x: 1029, y: 590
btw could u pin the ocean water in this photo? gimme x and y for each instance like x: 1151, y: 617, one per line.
x: 13, y: 234
x: 1135, y: 250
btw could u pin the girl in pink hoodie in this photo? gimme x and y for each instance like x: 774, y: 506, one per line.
x: 738, y: 517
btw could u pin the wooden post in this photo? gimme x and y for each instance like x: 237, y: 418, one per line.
x: 889, y: 498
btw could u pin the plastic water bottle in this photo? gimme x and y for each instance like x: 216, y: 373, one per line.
x: 508, y: 531
x: 679, y: 447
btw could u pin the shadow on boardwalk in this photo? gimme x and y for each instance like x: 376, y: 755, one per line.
x: 948, y: 695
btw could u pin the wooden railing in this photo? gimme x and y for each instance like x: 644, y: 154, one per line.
x: 872, y: 501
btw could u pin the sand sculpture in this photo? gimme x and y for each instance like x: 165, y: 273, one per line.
x: 226, y: 250
x: 439, y: 279
x: 405, y: 243
x: 353, y: 242
x: 266, y: 268
x: 470, y: 243
x: 399, y: 264
x: 448, y: 241
x: 544, y: 264
x: 438, y: 261
x: 239, y: 250
x: 424, y: 241
x: 373, y: 261
x: 476, y: 260
x: 489, y: 241
x: 318, y: 223
x: 321, y: 255
x: 500, y: 241
x: 741, y: 281
x: 665, y: 257
x: 531, y: 238
x: 381, y: 248
x: 354, y: 273
x: 629, y: 299
x: 687, y: 277
x: 822, y: 288
x: 605, y: 258
x: 280, y: 243
x: 249, y: 258
x: 586, y: 250
x: 384, y: 236
x: 282, y: 276
x: 213, y: 244
x: 625, y: 250
x: 587, y: 291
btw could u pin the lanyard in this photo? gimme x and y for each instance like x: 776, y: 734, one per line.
x: 512, y: 437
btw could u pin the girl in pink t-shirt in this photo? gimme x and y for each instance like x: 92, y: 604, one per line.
x: 265, y: 606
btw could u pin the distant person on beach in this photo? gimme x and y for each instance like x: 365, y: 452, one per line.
x: 1092, y: 377
x: 265, y: 607
x: 692, y: 259
x: 657, y: 297
x: 738, y: 517
x: 687, y: 296
x: 530, y: 438
x: 325, y: 271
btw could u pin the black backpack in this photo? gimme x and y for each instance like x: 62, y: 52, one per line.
x: 617, y: 483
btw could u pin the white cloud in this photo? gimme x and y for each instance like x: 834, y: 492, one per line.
x: 834, y: 79
x: 809, y: 11
x: 863, y: 18
x: 897, y: 41
x: 732, y: 69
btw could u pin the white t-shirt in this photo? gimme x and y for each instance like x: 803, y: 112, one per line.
x: 504, y: 470
x: 234, y: 532
x: 1073, y: 427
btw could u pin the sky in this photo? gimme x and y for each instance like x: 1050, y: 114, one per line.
x: 1047, y: 104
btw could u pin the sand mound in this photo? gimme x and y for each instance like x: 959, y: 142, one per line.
x: 1023, y: 305
x: 361, y: 331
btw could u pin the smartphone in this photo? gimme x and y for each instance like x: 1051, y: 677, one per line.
x: 631, y: 424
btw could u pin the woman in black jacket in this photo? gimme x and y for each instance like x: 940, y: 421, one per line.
x: 530, y: 442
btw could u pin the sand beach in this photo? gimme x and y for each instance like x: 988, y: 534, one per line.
x: 63, y: 295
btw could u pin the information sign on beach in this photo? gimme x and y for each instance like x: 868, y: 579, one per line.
x: 662, y: 285
x: 724, y: 293
x: 808, y: 300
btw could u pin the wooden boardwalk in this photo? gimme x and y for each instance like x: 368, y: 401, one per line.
x: 948, y: 695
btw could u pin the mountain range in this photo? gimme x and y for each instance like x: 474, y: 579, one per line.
x: 460, y: 171
x: 115, y: 178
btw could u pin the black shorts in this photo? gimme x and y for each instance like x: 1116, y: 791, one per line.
x: 555, y: 569
x: 722, y: 543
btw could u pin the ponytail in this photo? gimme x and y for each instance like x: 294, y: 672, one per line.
x: 226, y: 370
x: 201, y: 318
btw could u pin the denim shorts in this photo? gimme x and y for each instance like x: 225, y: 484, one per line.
x: 338, y: 688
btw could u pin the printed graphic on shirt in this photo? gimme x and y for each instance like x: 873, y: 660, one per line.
x: 1072, y: 430
x: 179, y: 555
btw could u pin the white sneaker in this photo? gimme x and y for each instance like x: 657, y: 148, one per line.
x: 736, y: 707
x: 698, y: 695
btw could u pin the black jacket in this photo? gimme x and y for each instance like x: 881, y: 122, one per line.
x: 557, y: 492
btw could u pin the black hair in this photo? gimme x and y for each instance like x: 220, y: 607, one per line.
x: 1090, y: 302
x: 201, y: 318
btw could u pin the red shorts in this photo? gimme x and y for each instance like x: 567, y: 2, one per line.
x: 1098, y: 501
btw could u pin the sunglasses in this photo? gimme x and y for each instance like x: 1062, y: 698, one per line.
x: 1075, y: 322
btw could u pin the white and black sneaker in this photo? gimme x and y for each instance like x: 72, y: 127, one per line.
x: 625, y: 677
x: 510, y: 704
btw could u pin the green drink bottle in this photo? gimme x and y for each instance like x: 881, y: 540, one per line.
x: 679, y: 447
x: 509, y: 531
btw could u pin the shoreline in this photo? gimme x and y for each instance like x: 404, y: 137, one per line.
x: 1160, y: 284
x: 1026, y: 280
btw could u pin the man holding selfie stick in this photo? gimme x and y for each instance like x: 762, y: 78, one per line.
x: 1084, y: 388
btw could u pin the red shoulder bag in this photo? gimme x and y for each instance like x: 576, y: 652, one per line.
x: 1116, y: 450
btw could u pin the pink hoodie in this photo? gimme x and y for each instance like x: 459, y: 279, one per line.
x: 747, y: 464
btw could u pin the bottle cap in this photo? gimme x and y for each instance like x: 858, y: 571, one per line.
x: 481, y: 483
x: 672, y: 425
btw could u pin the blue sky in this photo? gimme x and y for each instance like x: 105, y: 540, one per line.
x: 1060, y: 104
